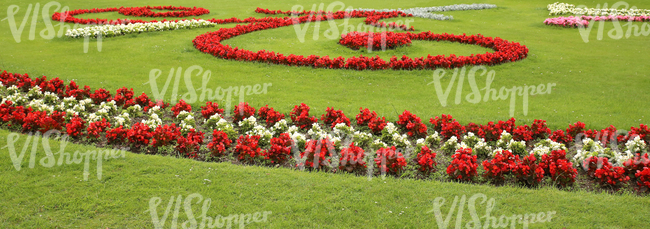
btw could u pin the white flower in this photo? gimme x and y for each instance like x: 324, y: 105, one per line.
x: 635, y: 145
x: 280, y: 126
x: 121, y: 29
x: 390, y: 128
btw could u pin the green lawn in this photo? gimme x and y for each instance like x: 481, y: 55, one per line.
x: 602, y: 82
x: 58, y: 196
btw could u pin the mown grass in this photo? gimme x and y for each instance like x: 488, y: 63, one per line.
x: 57, y: 196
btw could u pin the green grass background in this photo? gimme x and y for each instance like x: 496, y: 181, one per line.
x: 602, y: 82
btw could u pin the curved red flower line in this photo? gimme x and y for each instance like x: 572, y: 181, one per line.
x: 505, y: 51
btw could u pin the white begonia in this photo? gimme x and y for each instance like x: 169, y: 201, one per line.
x: 212, y: 121
x: 298, y: 138
x: 390, y: 128
x: 223, y: 125
x: 123, y: 120
x: 621, y: 157
x: 590, y: 148
x: 451, y: 145
x: 565, y: 8
x: 71, y: 112
x: 109, y: 107
x: 154, y: 109
x: 546, y: 146
x: 362, y: 138
x: 247, y: 124
x: 482, y: 149
x: 35, y: 92
x: 280, y: 126
x: 400, y: 141
x: 188, y: 123
x: 636, y: 145
x: 470, y: 139
x: 540, y: 150
x: 153, y: 122
x: 504, y: 140
x: 50, y: 98
x: 316, y: 132
x: 495, y: 151
x: 292, y: 129
x: 517, y: 147
x: 135, y: 108
x: 342, y: 129
x: 93, y: 117
x: 182, y: 115
x: 433, y: 139
x: 38, y: 104
x: 121, y: 29
x: 13, y: 90
x: 377, y: 143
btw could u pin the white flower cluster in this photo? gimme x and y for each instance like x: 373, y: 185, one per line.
x: 280, y: 127
x: 565, y: 8
x: 391, y: 136
x: 590, y: 148
x: 187, y: 120
x: 118, y: 30
x: 425, y: 12
x: 265, y: 134
x: 545, y: 146
x: 153, y: 121
x: 633, y: 146
x: 451, y: 145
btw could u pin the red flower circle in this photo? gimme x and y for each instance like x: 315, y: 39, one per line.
x: 176, y: 11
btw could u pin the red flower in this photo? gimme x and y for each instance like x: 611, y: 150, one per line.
x: 181, y: 106
x: 165, y: 135
x: 96, y: 128
x: 463, y: 165
x: 300, y: 117
x: 317, y: 153
x: 219, y: 144
x: 352, y: 158
x: 280, y: 150
x: 426, y: 160
x: 248, y: 149
x: 210, y: 109
x: 390, y: 161
x: 270, y: 116
x: 242, y: 111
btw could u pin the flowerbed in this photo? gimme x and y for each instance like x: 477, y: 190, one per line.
x: 566, y: 8
x: 505, y: 51
x: 425, y: 12
x: 592, y: 14
x: 138, y: 27
x: 583, y: 21
x: 525, y: 154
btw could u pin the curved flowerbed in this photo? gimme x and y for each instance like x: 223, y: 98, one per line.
x: 505, y: 51
x: 527, y: 154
